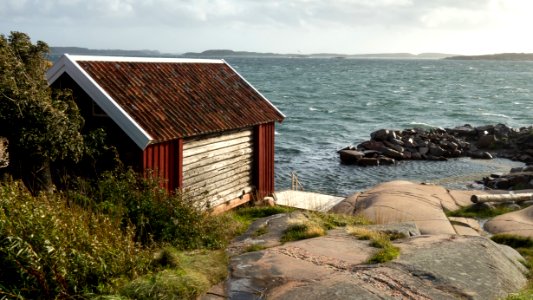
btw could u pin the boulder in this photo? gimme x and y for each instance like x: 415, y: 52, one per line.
x: 436, y: 150
x: 380, y: 135
x: 423, y: 150
x: 486, y: 141
x: 391, y: 153
x: 386, y: 161
x: 465, y: 130
x: 350, y: 157
x: 517, y: 223
x: 502, y: 130
x: 372, y: 145
x: 394, y: 146
x: 365, y: 162
x: 403, y: 201
x: 480, y: 155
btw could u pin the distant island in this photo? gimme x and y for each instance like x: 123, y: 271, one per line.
x: 231, y: 53
x: 56, y: 52
x: 500, y: 56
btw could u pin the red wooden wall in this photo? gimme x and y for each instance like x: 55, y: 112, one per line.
x: 166, y: 161
x: 264, y: 159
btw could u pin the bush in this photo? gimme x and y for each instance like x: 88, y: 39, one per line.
x: 156, y: 215
x: 49, y: 249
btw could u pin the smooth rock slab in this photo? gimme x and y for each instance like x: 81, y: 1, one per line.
x: 333, y: 267
x: 518, y: 222
x: 404, y: 201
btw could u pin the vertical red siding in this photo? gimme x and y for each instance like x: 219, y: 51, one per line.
x: 264, y: 154
x: 165, y: 160
x: 179, y: 163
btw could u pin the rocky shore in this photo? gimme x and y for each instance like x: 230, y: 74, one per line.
x: 387, y: 146
x: 440, y: 257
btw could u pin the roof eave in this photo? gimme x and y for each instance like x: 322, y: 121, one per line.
x: 68, y: 64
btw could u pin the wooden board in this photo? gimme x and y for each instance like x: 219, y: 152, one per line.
x: 218, y: 167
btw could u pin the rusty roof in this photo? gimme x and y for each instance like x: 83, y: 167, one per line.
x: 175, y: 98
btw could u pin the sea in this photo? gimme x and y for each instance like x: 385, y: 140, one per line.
x: 330, y: 103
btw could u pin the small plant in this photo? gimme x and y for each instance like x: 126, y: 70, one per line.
x: 329, y: 220
x: 254, y: 247
x: 481, y: 212
x: 524, y: 246
x: 514, y: 241
x: 380, y: 240
x: 301, y: 231
x: 260, y: 231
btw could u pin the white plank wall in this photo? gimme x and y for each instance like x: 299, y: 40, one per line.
x: 218, y: 167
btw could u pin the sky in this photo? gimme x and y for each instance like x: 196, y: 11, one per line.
x: 290, y: 26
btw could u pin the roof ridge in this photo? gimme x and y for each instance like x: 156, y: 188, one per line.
x: 142, y: 59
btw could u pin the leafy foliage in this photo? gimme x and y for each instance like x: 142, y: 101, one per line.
x: 40, y: 125
x: 49, y: 249
x: 156, y: 216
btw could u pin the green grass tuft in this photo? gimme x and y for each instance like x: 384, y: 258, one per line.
x: 260, y: 231
x: 302, y: 231
x: 479, y: 213
x: 195, y: 273
x: 514, y: 241
x: 254, y: 247
x: 524, y: 246
x: 380, y: 240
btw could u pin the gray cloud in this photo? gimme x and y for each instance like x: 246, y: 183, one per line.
x: 119, y: 22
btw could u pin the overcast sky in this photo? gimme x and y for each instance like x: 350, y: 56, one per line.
x: 285, y: 26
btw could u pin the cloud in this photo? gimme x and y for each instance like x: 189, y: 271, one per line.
x: 277, y: 24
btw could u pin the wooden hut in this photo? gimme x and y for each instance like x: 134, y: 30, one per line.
x: 195, y: 122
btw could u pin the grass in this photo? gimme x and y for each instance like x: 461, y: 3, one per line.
x: 247, y: 214
x: 189, y: 275
x: 379, y: 240
x: 480, y: 212
x: 316, y: 224
x: 260, y: 231
x: 524, y: 246
x: 254, y: 247
x: 301, y: 231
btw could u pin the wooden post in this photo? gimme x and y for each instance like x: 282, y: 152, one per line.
x: 502, y: 197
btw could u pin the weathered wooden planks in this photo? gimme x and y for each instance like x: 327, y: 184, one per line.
x: 204, y: 140
x: 218, y: 167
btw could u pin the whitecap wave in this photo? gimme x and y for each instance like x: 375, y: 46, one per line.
x: 422, y: 125
x: 313, y: 109
x: 496, y: 115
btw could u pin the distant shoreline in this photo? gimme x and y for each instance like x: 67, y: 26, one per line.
x: 500, y: 56
x: 56, y: 52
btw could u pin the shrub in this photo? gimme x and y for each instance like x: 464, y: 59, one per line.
x: 49, y: 249
x: 156, y: 215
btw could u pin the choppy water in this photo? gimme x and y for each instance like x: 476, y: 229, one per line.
x: 331, y: 103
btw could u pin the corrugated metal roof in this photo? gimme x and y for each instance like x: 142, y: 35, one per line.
x: 173, y: 99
